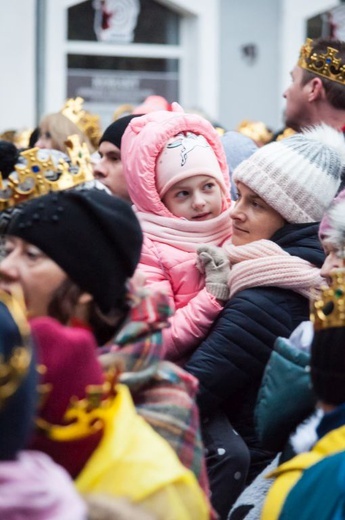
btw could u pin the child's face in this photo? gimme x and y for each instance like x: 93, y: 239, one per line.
x: 196, y: 198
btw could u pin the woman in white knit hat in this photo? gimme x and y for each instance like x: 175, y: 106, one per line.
x: 275, y: 255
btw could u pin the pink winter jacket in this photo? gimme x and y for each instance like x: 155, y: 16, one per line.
x: 168, y: 258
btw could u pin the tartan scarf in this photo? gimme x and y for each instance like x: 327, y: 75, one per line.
x: 163, y: 393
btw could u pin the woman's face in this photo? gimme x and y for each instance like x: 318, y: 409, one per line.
x: 38, y: 276
x: 333, y: 261
x: 252, y: 218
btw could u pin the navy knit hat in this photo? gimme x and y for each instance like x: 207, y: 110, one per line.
x: 18, y: 381
x: 113, y: 134
x: 93, y: 236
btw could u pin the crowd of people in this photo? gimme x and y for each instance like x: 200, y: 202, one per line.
x: 172, y: 312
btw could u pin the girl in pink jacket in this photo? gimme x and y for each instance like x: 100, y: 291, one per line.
x: 178, y: 181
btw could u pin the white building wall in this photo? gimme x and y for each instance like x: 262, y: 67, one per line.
x: 249, y: 90
x: 17, y: 44
x: 229, y: 88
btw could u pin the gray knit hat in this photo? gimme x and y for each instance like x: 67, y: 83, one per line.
x: 298, y: 176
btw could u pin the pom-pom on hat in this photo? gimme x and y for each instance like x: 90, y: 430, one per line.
x: 186, y: 155
x: 93, y: 236
x: 298, y: 176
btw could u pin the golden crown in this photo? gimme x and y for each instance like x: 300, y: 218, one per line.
x: 326, y: 65
x: 86, y: 416
x: 328, y: 310
x: 14, y: 369
x: 86, y: 122
x: 42, y: 172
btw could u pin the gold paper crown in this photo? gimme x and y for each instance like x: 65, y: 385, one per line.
x: 38, y: 176
x: 14, y: 369
x: 328, y: 310
x: 86, y: 416
x: 326, y: 65
x: 86, y: 122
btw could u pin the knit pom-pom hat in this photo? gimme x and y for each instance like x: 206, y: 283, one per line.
x: 297, y: 176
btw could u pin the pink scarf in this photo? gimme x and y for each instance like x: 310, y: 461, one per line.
x: 185, y: 234
x: 264, y: 263
x: 35, y: 488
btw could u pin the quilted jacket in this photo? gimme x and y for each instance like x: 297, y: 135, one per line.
x: 230, y: 362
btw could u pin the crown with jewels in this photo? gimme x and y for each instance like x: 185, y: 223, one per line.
x: 41, y: 172
x: 326, y: 65
x: 14, y: 369
x: 86, y: 122
x: 328, y: 310
x: 86, y: 416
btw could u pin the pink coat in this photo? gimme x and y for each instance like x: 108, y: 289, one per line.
x: 168, y: 258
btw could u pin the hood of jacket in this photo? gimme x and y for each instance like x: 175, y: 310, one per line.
x: 144, y: 140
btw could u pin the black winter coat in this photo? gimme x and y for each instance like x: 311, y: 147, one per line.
x: 230, y: 362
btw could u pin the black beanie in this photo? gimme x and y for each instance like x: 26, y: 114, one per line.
x: 327, y: 365
x: 93, y: 236
x: 113, y: 134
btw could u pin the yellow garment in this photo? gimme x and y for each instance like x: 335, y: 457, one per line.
x: 291, y: 471
x: 133, y: 461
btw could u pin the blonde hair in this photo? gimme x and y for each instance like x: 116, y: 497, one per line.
x: 60, y: 128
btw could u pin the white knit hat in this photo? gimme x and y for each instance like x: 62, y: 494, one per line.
x: 186, y: 155
x: 297, y: 176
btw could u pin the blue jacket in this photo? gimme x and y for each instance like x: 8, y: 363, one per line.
x: 311, y: 485
x: 230, y: 362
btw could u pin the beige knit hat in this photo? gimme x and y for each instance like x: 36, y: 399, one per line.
x: 186, y: 155
x: 298, y: 176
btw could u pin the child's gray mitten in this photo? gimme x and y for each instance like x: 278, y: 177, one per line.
x: 214, y: 262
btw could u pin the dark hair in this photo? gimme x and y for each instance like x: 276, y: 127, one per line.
x: 9, y: 155
x: 335, y: 92
x: 104, y: 326
x: 34, y: 136
x: 327, y: 365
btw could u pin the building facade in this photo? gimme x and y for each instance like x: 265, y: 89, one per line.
x: 228, y: 59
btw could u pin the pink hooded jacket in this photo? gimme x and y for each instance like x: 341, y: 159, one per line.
x: 168, y: 258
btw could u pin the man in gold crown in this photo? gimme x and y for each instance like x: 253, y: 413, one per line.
x: 317, y: 90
